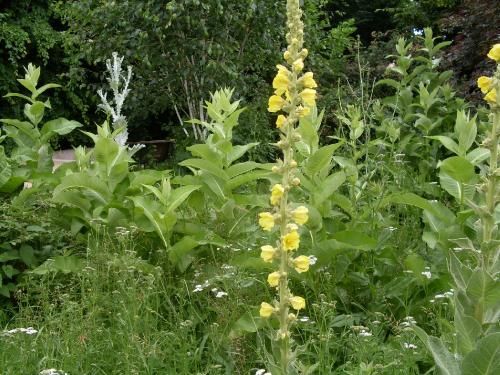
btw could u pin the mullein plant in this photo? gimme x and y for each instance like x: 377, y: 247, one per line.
x: 293, y: 98
x: 475, y: 272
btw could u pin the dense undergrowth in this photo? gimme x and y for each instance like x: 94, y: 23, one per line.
x: 381, y: 236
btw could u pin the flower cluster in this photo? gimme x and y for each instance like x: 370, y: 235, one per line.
x: 294, y: 96
x: 488, y: 84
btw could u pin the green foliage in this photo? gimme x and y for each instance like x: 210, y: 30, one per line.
x: 96, y: 186
x: 28, y: 235
x: 32, y: 156
x: 423, y: 103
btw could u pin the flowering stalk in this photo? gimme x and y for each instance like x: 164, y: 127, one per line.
x: 294, y: 96
x: 490, y: 86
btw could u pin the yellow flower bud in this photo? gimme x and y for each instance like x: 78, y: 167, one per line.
x: 301, y: 263
x: 298, y: 303
x: 293, y: 164
x: 494, y: 53
x: 280, y: 121
x: 484, y: 84
x: 276, y: 194
x: 308, y: 81
x: 267, y: 253
x: 308, y: 97
x: 303, y: 111
x: 298, y: 65
x: 292, y: 226
x: 266, y: 221
x: 287, y: 55
x: 275, y: 169
x: 273, y: 279
x: 276, y: 103
x: 266, y: 310
x: 491, y: 97
x: 291, y: 241
x: 304, y: 53
x: 300, y: 215
x: 296, y: 181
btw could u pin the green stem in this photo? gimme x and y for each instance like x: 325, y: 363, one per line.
x: 491, y: 192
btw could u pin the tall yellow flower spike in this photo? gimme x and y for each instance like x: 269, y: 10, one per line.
x: 294, y: 96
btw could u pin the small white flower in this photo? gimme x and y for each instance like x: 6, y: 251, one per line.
x: 427, y: 274
x: 220, y: 294
x: 312, y: 260
x: 409, y: 346
x: 365, y: 333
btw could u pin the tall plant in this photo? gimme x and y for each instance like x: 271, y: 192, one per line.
x: 294, y: 96
x: 474, y: 250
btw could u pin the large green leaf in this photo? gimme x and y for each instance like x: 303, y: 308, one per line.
x: 320, y: 159
x: 459, y: 190
x: 445, y: 361
x: 238, y: 151
x: 466, y: 130
x: 5, y: 168
x: 447, y: 142
x: 328, y: 186
x: 179, y: 195
x: 91, y: 186
x: 207, y: 166
x: 485, y: 360
x: 59, y: 126
x: 458, y: 168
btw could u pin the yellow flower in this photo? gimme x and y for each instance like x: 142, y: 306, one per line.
x: 273, y: 279
x: 286, y: 55
x: 301, y: 264
x: 281, y: 82
x: 494, y: 53
x: 303, y: 111
x: 484, y: 84
x: 276, y: 103
x: 280, y: 121
x: 308, y: 81
x: 276, y: 194
x: 298, y: 65
x: 291, y: 241
x: 300, y: 215
x: 267, y: 253
x: 491, y: 97
x: 308, y: 97
x: 266, y: 221
x: 266, y: 310
x: 298, y: 303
